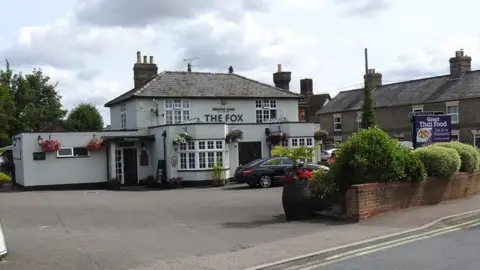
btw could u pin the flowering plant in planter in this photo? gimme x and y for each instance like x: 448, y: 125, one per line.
x: 320, y: 135
x: 96, y: 144
x: 50, y: 145
x: 182, y: 137
x: 276, y: 137
x: 300, y: 175
x: 234, y: 136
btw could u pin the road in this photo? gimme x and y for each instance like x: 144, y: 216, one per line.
x: 455, y: 248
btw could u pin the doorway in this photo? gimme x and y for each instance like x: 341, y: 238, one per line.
x: 130, y: 167
x: 249, y: 151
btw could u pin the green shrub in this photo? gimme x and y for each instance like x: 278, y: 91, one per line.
x: 370, y: 155
x: 439, y: 161
x: 469, y: 156
x: 414, y: 170
x: 4, y: 177
x: 322, y: 188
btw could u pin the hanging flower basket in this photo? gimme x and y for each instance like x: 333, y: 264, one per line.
x: 182, y: 137
x: 234, y: 136
x: 320, y: 135
x: 275, y: 138
x: 95, y: 145
x: 50, y: 145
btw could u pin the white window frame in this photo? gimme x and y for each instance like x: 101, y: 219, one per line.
x: 72, y: 155
x: 337, y: 140
x: 417, y: 108
x: 123, y: 115
x: 201, y: 151
x: 359, y: 119
x: 299, y: 141
x: 453, y: 104
x: 119, y: 164
x: 265, y: 109
x: 176, y: 111
x: 475, y: 136
x: 335, y: 122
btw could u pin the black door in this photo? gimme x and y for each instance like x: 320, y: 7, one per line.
x: 249, y: 151
x: 130, y: 173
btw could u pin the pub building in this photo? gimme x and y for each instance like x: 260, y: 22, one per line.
x: 150, y: 121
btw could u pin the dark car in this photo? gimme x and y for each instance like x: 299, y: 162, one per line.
x: 266, y: 172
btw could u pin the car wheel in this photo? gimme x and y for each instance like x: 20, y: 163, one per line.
x: 265, y: 181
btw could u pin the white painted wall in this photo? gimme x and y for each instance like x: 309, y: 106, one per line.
x: 140, y: 111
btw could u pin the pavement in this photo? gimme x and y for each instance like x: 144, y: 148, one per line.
x: 217, y: 228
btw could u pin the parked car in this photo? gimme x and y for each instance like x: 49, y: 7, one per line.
x: 326, y: 154
x: 266, y: 172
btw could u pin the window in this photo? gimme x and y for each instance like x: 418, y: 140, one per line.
x: 452, y: 110
x: 455, y: 137
x: 295, y: 142
x: 123, y: 116
x: 265, y: 110
x: 337, y: 141
x: 197, y: 155
x: 476, y: 141
x: 359, y: 119
x: 176, y: 111
x: 337, y: 122
x: 72, y: 152
x: 118, y: 164
x: 417, y: 108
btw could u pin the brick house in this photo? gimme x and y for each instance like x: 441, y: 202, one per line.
x: 457, y: 94
x: 310, y: 103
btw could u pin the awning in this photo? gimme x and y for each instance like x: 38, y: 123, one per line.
x: 275, y: 120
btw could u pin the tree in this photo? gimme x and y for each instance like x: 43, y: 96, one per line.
x: 85, y: 117
x: 36, y: 101
x: 368, y: 111
x: 6, y: 111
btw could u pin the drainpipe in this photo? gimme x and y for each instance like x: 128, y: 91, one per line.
x: 164, y: 135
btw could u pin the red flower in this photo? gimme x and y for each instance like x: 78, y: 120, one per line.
x: 50, y: 145
x: 95, y: 144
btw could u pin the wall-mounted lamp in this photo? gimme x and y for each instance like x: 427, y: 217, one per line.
x: 14, y: 141
x: 39, y: 140
x: 175, y: 146
x: 164, y: 134
x: 143, y: 147
x: 267, y: 132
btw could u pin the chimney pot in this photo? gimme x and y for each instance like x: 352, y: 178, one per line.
x: 144, y: 59
x: 139, y: 57
x: 279, y: 68
x: 151, y: 59
x: 460, y: 64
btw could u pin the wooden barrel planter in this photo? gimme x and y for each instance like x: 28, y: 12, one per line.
x: 297, y: 200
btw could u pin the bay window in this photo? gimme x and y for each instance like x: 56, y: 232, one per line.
x: 203, y: 154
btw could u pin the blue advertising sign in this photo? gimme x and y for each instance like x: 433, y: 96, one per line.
x: 431, y: 129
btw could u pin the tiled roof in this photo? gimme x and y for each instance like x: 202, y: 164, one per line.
x: 173, y: 84
x: 275, y: 120
x: 427, y: 90
x: 192, y: 121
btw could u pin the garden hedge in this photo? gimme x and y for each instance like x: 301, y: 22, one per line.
x: 469, y: 155
x: 439, y: 161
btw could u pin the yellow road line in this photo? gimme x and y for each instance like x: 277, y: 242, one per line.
x: 383, y: 247
x: 417, y: 236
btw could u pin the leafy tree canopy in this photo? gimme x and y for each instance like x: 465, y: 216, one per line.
x: 85, y: 117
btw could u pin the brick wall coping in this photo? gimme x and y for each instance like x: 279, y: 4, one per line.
x: 398, y: 183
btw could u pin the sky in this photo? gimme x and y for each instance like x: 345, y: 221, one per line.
x: 89, y: 46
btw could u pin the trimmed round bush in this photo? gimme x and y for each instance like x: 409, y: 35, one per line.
x: 439, y: 161
x: 369, y: 155
x: 414, y: 170
x: 469, y: 155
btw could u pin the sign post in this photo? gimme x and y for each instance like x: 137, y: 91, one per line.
x: 430, y: 128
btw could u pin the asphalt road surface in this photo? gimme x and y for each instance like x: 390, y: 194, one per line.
x: 453, y: 250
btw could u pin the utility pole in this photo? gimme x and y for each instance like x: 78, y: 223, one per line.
x: 366, y: 80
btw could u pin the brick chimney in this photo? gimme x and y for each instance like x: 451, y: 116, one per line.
x: 374, y: 79
x: 460, y: 64
x: 144, y: 72
x: 282, y: 79
x: 306, y: 87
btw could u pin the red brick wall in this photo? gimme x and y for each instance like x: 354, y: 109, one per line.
x: 366, y: 200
